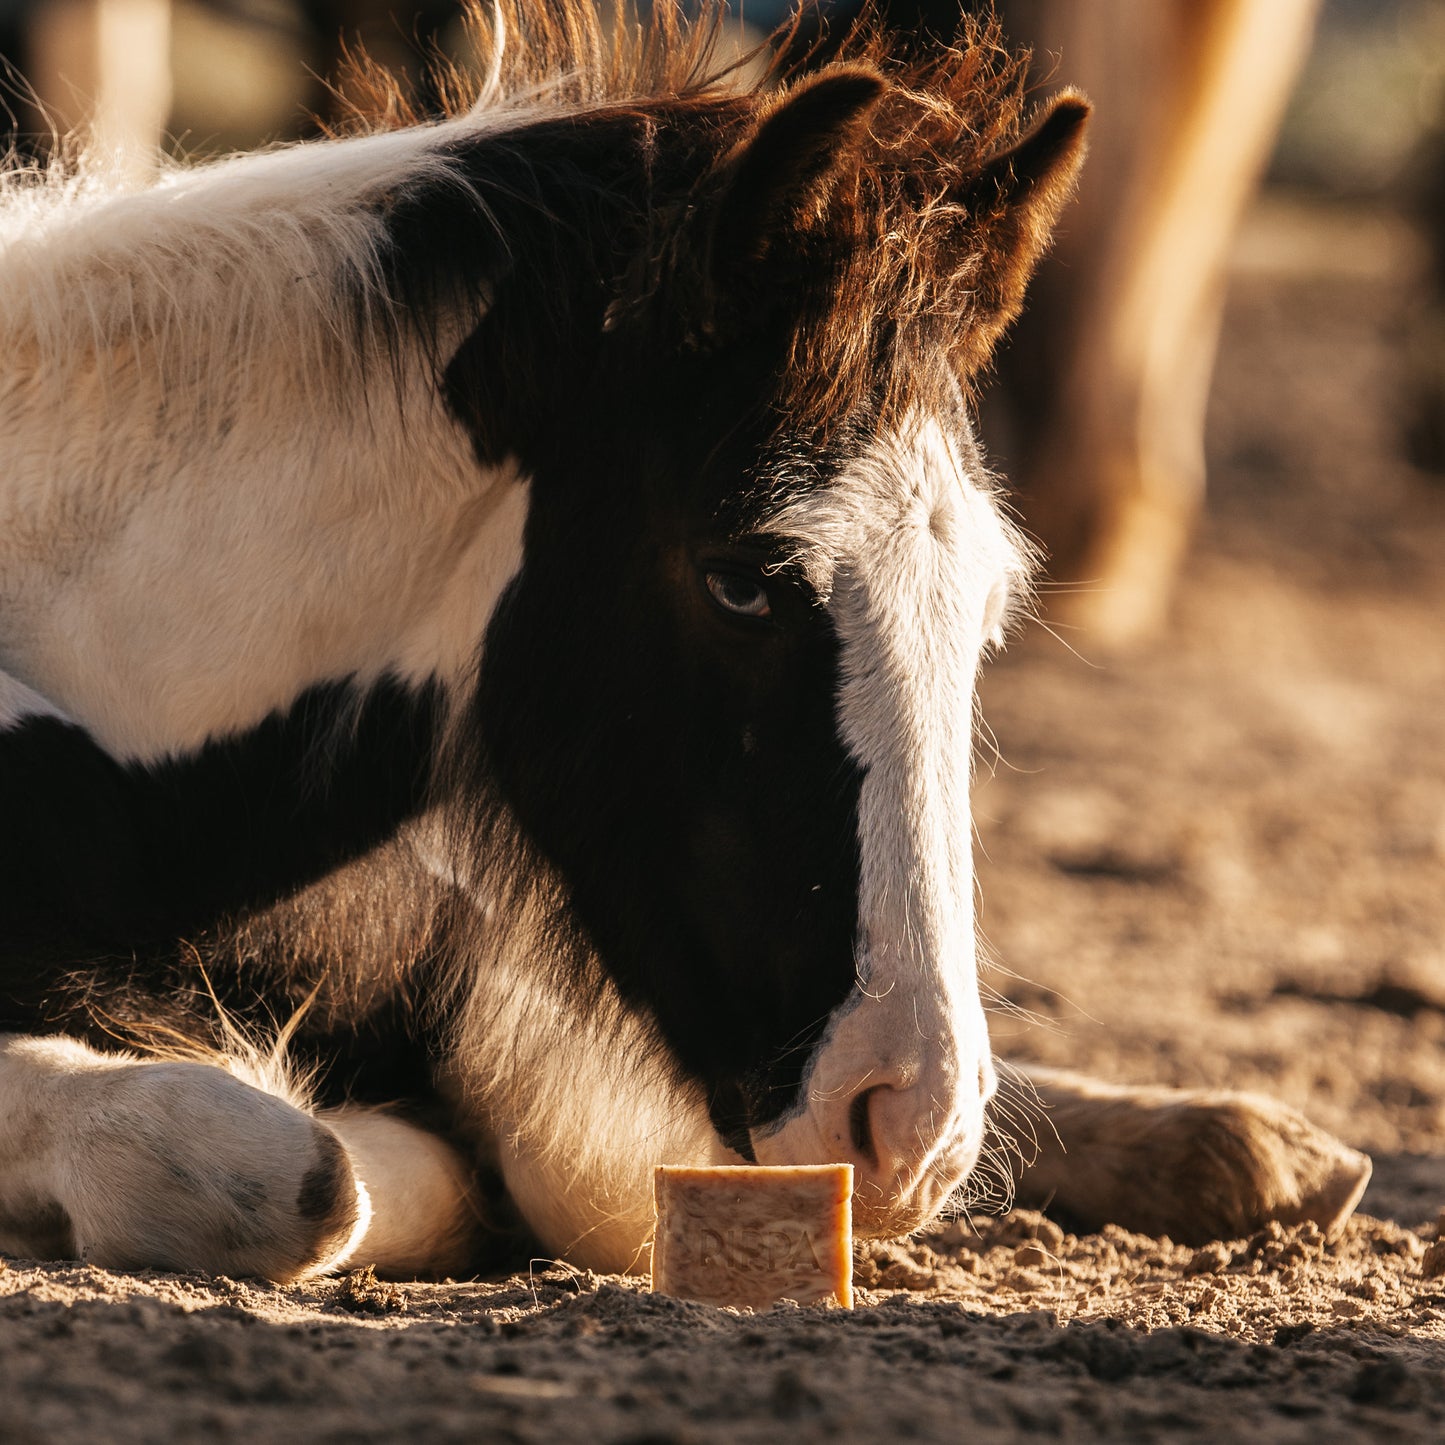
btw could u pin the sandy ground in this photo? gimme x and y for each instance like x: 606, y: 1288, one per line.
x: 1221, y: 861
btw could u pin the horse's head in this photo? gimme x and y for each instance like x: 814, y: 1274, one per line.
x: 729, y: 698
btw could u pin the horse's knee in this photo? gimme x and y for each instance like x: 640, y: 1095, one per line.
x: 181, y: 1166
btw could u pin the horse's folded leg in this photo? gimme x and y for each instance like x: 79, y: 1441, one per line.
x: 136, y: 1164
x: 1191, y: 1164
x: 420, y: 1212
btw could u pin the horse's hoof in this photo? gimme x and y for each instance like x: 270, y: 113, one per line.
x: 1192, y: 1164
x: 1253, y: 1160
x: 180, y: 1166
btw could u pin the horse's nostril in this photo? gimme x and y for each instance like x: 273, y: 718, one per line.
x: 860, y: 1129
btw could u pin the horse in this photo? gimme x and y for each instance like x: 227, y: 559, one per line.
x: 489, y: 614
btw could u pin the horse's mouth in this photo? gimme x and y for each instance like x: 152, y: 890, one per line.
x: 880, y: 1215
x: 888, y: 1220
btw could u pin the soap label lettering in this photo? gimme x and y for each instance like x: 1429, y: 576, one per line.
x: 747, y: 1248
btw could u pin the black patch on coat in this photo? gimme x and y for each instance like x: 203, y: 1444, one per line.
x: 679, y: 768
x: 110, y: 864
x: 326, y: 1189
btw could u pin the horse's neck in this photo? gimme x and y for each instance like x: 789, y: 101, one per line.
x: 207, y: 503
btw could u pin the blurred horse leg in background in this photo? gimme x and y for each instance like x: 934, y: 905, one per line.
x: 103, y: 66
x: 1425, y: 341
x: 1099, y: 419
x: 124, y: 75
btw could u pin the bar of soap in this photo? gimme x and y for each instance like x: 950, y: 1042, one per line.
x: 750, y: 1235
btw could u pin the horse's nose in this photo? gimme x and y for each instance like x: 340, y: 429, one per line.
x: 894, y: 1131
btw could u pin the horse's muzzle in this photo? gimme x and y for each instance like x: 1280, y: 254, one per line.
x: 911, y: 1143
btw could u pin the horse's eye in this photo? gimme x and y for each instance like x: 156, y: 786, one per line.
x: 740, y: 594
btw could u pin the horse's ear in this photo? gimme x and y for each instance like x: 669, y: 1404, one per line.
x: 779, y: 180
x: 1014, y: 201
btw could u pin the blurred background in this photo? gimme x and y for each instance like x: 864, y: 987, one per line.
x: 1212, y: 843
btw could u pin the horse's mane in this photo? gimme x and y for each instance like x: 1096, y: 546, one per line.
x: 578, y: 53
x: 963, y: 97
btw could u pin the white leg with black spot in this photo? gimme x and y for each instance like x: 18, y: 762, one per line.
x: 134, y: 1164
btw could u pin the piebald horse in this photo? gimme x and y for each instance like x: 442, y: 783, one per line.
x: 489, y: 611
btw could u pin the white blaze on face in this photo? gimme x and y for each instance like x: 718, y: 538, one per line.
x: 914, y: 563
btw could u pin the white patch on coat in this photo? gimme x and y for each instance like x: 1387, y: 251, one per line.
x: 419, y: 1214
x: 217, y: 1162
x: 915, y: 563
x: 567, y: 1092
x: 214, y: 495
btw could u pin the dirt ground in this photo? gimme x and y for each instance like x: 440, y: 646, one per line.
x: 1220, y: 861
